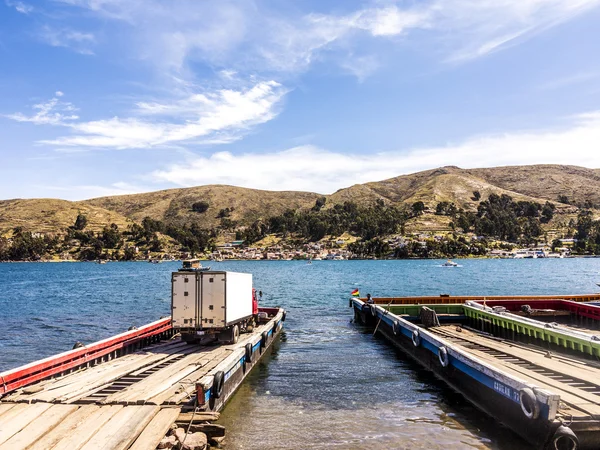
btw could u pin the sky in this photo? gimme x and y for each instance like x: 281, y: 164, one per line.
x: 107, y: 97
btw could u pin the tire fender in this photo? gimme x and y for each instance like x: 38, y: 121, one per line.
x: 529, y: 403
x: 396, y: 328
x: 263, y: 341
x: 283, y: 316
x: 564, y: 438
x: 248, y: 349
x: 373, y: 310
x: 443, y: 356
x: 416, y: 338
x: 217, y: 386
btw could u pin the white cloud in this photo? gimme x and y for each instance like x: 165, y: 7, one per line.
x: 310, y: 168
x: 246, y: 36
x: 78, y: 192
x: 477, y: 27
x: 52, y: 112
x: 77, y: 41
x: 21, y: 7
x: 217, y: 117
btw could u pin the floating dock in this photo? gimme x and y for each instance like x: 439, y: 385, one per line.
x: 124, y: 392
x: 540, y: 379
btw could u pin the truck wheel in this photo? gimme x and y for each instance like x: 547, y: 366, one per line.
x: 235, y: 334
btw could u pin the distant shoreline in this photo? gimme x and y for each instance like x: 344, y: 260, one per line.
x: 284, y: 260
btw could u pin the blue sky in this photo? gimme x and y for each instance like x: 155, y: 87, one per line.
x: 103, y: 97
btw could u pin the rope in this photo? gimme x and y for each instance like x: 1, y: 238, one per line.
x: 188, y: 428
x: 384, y: 314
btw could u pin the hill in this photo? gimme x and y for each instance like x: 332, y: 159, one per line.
x: 52, y: 215
x: 175, y: 205
x: 579, y: 184
x: 446, y: 184
x: 538, y: 183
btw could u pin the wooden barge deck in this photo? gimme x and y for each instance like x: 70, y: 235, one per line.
x: 124, y: 392
x: 549, y: 397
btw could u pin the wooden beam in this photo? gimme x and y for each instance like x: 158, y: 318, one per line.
x: 156, y: 429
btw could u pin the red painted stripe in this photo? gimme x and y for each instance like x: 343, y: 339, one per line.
x: 38, y: 370
x: 581, y: 309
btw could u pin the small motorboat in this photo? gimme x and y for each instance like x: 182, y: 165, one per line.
x: 450, y: 263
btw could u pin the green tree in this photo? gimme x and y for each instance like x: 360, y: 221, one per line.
x: 128, y: 253
x: 155, y: 244
x: 547, y: 212
x: 80, y: 222
x: 225, y: 212
x: 418, y: 208
x: 111, y: 237
x: 200, y: 207
x: 4, y: 246
x: 319, y: 203
x: 556, y: 244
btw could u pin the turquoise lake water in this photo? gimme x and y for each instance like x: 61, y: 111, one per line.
x: 329, y: 383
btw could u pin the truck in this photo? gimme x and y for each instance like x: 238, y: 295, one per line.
x: 217, y: 304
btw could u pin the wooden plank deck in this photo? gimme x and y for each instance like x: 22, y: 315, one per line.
x: 124, y: 403
x: 577, y: 401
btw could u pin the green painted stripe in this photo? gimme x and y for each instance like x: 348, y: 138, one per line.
x: 574, y: 340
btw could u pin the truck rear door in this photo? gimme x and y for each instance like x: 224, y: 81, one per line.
x: 183, y: 306
x: 213, y: 300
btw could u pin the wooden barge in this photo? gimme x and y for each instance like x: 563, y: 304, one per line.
x: 539, y: 378
x: 125, y: 392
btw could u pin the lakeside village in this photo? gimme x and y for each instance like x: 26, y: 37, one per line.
x: 501, y: 228
x: 347, y: 247
x: 339, y: 249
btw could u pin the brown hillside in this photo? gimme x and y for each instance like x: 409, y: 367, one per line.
x: 546, y: 181
x: 175, y: 205
x: 452, y: 184
x: 51, y: 215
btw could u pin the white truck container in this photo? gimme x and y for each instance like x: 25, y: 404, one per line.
x: 211, y: 302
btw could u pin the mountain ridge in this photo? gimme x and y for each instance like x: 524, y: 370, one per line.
x: 540, y: 183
